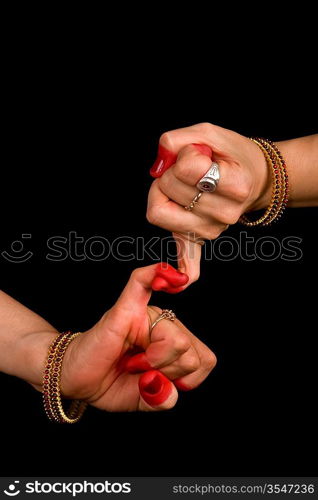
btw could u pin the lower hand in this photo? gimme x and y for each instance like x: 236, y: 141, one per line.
x: 104, y: 365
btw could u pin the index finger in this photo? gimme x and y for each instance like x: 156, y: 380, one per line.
x: 172, y: 142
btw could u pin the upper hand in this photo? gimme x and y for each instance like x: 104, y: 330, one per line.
x: 183, y: 159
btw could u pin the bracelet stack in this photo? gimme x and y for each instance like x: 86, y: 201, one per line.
x: 51, y: 383
x: 280, y: 189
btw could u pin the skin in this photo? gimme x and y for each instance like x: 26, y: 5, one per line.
x: 245, y: 184
x: 102, y: 366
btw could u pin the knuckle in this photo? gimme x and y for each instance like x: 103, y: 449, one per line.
x: 241, y: 185
x: 187, y: 166
x: 229, y: 216
x: 152, y: 215
x: 209, y: 359
x: 182, y: 169
x: 186, y: 150
x: 242, y: 192
x: 211, y: 233
x: 166, y: 140
x: 136, y: 273
x: 181, y: 344
x: 192, y: 363
x: 195, y: 276
x: 204, y: 127
x: 164, y: 181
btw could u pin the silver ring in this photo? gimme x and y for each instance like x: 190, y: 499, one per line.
x: 210, y: 180
x: 193, y: 202
x: 166, y: 314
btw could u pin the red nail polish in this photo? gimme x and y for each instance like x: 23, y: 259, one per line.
x: 138, y: 363
x: 173, y: 276
x: 159, y: 284
x: 205, y: 150
x: 181, y: 385
x: 154, y: 387
x: 165, y: 159
x: 168, y: 279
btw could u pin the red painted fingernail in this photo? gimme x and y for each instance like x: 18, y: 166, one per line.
x: 181, y: 385
x: 154, y: 387
x: 172, y: 275
x: 168, y: 279
x: 205, y: 150
x: 138, y: 363
x: 164, y: 160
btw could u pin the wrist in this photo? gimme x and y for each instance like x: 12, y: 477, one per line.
x: 31, y: 352
x: 263, y: 180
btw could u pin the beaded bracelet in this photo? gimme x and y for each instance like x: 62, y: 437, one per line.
x: 280, y: 190
x: 51, y: 383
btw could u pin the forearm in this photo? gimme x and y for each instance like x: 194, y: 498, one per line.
x: 301, y: 156
x: 24, y: 340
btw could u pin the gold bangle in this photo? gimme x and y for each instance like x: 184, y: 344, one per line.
x: 272, y: 149
x: 51, y: 383
x: 279, y: 198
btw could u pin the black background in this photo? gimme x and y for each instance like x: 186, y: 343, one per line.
x: 80, y: 136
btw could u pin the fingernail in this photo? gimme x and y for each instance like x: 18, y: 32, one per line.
x: 168, y: 279
x: 164, y: 160
x: 154, y: 387
x: 138, y: 363
x: 172, y: 275
x: 205, y: 150
x: 181, y: 385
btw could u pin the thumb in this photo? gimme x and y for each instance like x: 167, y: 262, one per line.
x: 189, y: 249
x: 159, y: 277
x: 157, y: 392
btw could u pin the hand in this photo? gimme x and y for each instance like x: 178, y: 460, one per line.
x: 184, y: 157
x: 103, y: 365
